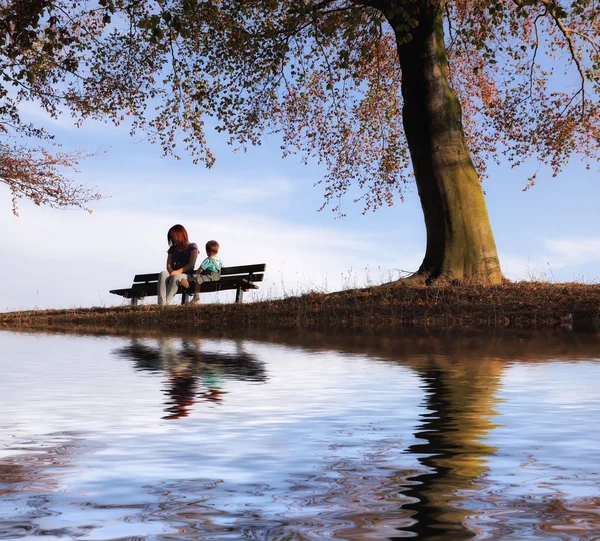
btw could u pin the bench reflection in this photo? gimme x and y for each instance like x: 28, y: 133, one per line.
x: 194, y: 373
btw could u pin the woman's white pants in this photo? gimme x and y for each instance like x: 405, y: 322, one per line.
x: 168, y: 286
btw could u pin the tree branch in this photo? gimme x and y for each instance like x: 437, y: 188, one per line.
x: 551, y: 9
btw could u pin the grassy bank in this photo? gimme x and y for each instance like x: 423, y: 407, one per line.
x: 521, y: 305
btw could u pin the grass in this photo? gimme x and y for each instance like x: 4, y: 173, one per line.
x: 512, y: 305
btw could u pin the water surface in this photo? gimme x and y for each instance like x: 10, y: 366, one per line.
x: 313, y: 438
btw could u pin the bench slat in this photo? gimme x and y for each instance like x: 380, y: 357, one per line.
x: 247, y: 277
x: 239, y: 279
x: 223, y: 286
x: 126, y: 293
x: 150, y: 289
x: 244, y: 269
x: 227, y: 271
x: 153, y: 277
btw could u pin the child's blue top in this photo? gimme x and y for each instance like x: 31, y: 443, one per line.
x: 212, y: 264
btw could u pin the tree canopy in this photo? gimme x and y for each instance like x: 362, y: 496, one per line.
x: 326, y: 75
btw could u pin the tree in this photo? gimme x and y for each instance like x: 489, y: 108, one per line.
x: 377, y: 90
x: 37, y: 174
x: 31, y: 171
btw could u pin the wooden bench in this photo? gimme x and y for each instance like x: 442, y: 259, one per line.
x: 241, y: 278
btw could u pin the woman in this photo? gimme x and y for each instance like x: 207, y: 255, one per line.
x: 182, y: 255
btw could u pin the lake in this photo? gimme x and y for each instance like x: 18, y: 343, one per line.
x: 299, y: 437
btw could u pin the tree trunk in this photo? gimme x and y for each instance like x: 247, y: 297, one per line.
x: 460, y: 244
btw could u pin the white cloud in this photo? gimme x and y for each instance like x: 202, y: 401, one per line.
x: 575, y: 251
x: 515, y: 267
x: 33, y: 112
x: 258, y: 189
x: 200, y: 189
x: 561, y: 259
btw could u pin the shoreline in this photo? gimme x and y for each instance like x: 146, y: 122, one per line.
x: 511, y: 305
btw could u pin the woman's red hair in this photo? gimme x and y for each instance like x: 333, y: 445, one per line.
x: 178, y: 237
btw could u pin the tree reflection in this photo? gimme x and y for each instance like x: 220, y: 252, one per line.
x: 461, y: 380
x: 461, y: 375
x: 193, y: 374
x: 459, y: 410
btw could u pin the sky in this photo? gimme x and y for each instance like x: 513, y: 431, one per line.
x: 264, y: 209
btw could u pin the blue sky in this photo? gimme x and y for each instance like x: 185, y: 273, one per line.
x: 262, y: 208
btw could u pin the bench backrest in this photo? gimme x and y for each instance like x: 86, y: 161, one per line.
x: 249, y: 271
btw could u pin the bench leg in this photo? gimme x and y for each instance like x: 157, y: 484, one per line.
x: 239, y: 295
x: 134, y: 301
x: 184, y: 297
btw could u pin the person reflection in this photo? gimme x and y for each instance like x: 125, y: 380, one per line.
x: 193, y: 374
x: 213, y: 384
x: 182, y: 388
x: 460, y: 405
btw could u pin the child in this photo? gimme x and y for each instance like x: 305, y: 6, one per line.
x: 209, y: 271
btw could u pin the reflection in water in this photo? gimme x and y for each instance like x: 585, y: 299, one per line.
x: 395, y: 444
x: 27, y: 481
x: 193, y: 374
x: 459, y: 411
